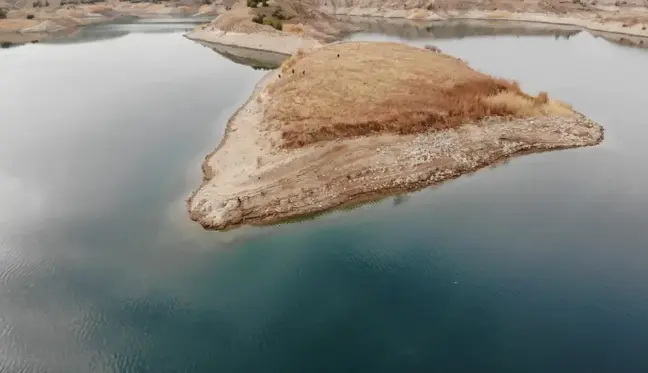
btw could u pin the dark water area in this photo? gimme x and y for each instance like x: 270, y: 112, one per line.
x: 537, y: 265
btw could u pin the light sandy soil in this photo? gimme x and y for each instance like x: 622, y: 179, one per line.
x: 285, y: 44
x: 254, y: 178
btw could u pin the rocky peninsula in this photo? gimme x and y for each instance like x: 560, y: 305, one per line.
x: 350, y: 122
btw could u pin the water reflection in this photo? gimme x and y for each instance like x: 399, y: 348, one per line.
x: 108, y: 113
x: 399, y: 200
x: 105, y: 31
x: 458, y: 29
x: 258, y: 60
x: 124, y: 26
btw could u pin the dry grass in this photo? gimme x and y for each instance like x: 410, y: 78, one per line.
x: 289, y: 63
x: 524, y: 106
x: 387, y: 87
x: 419, y: 14
x: 294, y: 28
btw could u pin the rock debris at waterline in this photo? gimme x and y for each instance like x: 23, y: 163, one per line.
x: 381, y: 119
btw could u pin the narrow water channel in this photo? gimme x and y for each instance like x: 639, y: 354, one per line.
x: 534, y: 266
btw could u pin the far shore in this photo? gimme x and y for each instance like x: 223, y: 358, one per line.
x: 288, y: 43
x: 27, y: 24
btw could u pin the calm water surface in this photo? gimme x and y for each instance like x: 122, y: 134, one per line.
x: 539, y: 265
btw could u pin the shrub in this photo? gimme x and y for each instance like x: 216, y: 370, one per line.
x: 258, y: 19
x: 3, y: 13
x: 5, y: 44
x: 274, y: 23
x: 30, y: 16
x: 252, y: 3
x: 278, y: 14
x: 542, y: 98
x: 264, y: 3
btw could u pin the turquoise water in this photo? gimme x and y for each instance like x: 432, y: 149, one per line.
x: 534, y: 266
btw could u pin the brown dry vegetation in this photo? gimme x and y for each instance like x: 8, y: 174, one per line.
x: 294, y: 28
x: 388, y: 87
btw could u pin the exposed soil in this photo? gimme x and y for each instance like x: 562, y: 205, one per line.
x: 256, y: 177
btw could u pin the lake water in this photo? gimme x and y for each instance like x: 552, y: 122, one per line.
x: 539, y: 265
